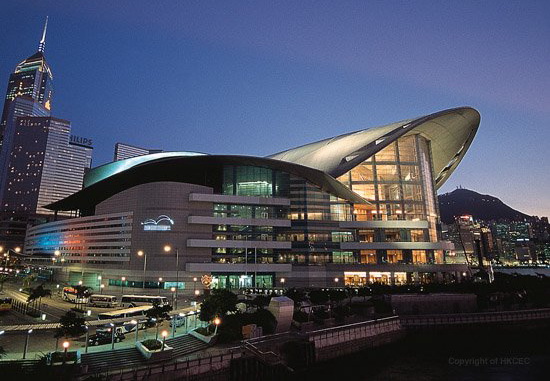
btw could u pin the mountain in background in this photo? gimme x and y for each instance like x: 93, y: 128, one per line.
x: 480, y: 206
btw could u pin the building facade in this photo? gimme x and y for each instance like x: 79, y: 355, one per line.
x: 351, y: 210
x: 32, y: 78
x: 127, y: 151
x: 40, y: 161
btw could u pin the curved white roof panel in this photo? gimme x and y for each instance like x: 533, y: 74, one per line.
x: 450, y: 132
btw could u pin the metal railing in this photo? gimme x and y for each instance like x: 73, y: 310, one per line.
x: 474, y: 318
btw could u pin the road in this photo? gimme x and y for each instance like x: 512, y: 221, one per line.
x: 43, y: 341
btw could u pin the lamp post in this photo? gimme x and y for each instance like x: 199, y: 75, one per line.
x: 282, y: 282
x: 87, y: 338
x: 194, y: 284
x: 26, y: 343
x: 164, y: 334
x: 160, y: 280
x: 101, y: 287
x: 174, y: 300
x: 217, y: 322
x: 136, y: 323
x: 143, y: 254
x: 65, y: 347
x: 336, y: 281
x: 197, y: 293
x: 167, y: 249
x: 112, y: 335
x: 122, y: 280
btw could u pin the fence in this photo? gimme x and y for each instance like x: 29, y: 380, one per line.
x: 428, y: 321
x: 193, y: 367
x: 352, y: 332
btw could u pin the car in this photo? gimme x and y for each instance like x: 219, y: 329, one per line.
x: 178, y: 321
x: 103, y: 337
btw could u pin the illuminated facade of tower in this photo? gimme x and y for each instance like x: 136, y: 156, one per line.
x: 33, y: 79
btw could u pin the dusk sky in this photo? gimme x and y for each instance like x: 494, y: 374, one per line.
x: 258, y: 77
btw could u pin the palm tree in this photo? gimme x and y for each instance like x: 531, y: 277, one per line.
x: 158, y: 313
x: 81, y: 293
x: 37, y: 294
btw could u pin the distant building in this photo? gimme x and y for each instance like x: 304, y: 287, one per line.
x: 126, y: 151
x: 44, y: 165
x: 40, y: 162
x: 32, y: 78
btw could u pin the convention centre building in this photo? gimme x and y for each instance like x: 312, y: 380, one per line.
x: 351, y: 210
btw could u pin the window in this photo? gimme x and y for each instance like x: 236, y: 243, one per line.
x: 419, y: 256
x: 394, y: 256
x: 387, y: 154
x: 342, y: 257
x: 412, y: 192
x: 392, y: 235
x: 368, y: 256
x: 388, y: 192
x: 366, y: 235
x: 410, y: 173
x: 365, y: 190
x: 387, y: 172
x: 417, y: 236
x: 407, y: 148
x: 362, y: 172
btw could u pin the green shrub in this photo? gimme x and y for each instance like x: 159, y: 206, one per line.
x: 300, y: 316
x: 152, y: 344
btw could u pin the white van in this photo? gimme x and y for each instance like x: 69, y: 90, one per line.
x: 103, y: 301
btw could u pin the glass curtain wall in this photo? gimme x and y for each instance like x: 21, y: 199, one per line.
x: 398, y: 182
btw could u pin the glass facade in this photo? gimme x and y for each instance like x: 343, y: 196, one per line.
x: 398, y: 182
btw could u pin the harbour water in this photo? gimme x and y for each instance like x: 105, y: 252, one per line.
x: 475, y: 354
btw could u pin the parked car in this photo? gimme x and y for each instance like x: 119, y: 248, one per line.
x: 103, y: 337
x: 178, y: 321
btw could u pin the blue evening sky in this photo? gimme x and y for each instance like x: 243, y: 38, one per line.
x: 257, y: 77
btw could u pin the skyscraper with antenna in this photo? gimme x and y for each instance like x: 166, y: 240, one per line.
x: 31, y: 79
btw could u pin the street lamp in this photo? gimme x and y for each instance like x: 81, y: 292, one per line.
x: 282, y: 282
x: 80, y: 283
x: 174, y: 300
x: 87, y: 338
x: 160, y: 280
x: 122, y: 280
x: 164, y: 334
x: 136, y: 324
x: 65, y: 347
x: 26, y: 343
x: 17, y: 249
x: 167, y: 249
x: 112, y: 335
x: 217, y: 322
x: 143, y: 254
x: 101, y: 287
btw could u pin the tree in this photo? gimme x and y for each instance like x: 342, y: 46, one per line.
x: 82, y: 292
x: 318, y: 297
x: 71, y: 325
x: 3, y: 279
x: 158, y: 313
x: 218, y: 303
x: 260, y: 301
x: 36, y: 294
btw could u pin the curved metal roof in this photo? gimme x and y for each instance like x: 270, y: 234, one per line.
x: 450, y: 132
x: 181, y: 167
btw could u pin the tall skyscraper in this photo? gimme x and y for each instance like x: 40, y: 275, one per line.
x: 44, y: 165
x: 126, y: 151
x: 32, y: 78
x: 40, y: 161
